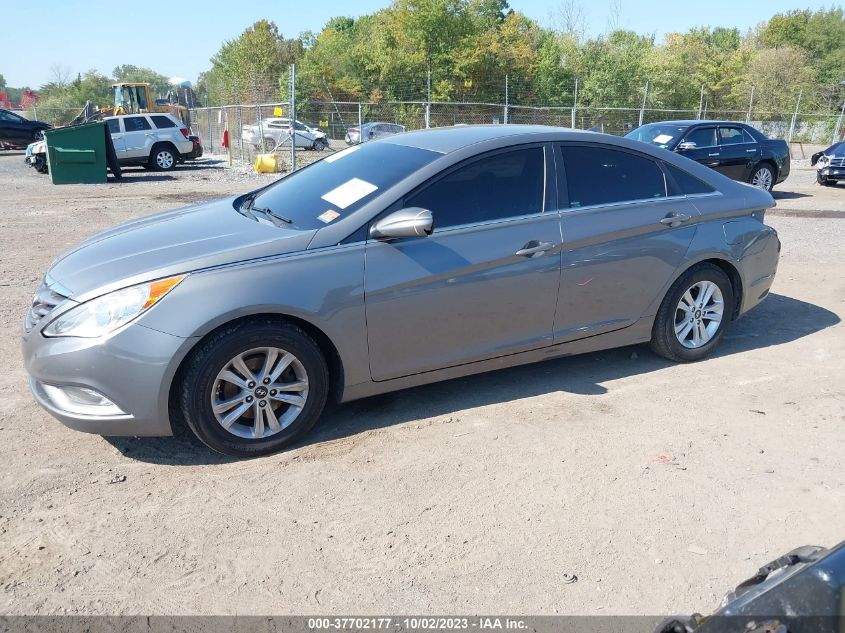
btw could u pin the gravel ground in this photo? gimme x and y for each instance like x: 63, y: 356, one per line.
x: 659, y: 486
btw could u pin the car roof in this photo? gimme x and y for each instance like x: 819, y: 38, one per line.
x: 450, y: 139
x: 688, y: 122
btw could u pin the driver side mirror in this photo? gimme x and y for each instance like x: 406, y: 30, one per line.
x: 686, y: 146
x: 410, y: 222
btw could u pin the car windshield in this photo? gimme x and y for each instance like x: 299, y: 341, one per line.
x: 339, y: 184
x: 660, y: 134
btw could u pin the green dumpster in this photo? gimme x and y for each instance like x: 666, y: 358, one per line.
x: 77, y: 154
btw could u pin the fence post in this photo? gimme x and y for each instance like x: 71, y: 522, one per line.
x: 506, y: 100
x: 642, y: 109
x: 750, y: 104
x: 241, y: 131
x: 208, y: 118
x: 428, y: 100
x: 794, y: 117
x: 700, y: 103
x: 575, y: 103
x: 293, y: 117
x: 360, y: 125
x: 260, y: 128
x: 838, y: 124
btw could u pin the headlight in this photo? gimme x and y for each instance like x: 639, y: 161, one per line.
x: 107, y: 313
x: 822, y: 161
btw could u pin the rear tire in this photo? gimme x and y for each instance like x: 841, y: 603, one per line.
x: 685, y: 335
x: 163, y: 158
x: 280, y: 417
x: 763, y: 177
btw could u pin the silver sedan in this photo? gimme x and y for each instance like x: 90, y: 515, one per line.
x: 417, y: 258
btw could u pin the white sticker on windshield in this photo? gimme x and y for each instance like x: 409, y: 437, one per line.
x: 662, y: 138
x: 341, y: 154
x: 349, y: 192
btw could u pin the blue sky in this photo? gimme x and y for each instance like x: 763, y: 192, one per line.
x: 177, y: 38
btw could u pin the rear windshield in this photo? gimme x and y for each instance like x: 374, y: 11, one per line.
x: 340, y: 184
x: 660, y: 134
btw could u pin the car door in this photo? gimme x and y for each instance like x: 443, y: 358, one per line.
x: 14, y: 129
x: 706, y: 150
x: 117, y: 138
x: 738, y: 151
x: 623, y: 238
x: 484, y: 284
x: 138, y: 136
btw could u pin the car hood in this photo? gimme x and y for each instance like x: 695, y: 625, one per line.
x: 170, y: 243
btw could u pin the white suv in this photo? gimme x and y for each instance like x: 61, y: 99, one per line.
x: 156, y: 140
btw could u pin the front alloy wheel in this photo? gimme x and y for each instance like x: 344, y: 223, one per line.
x: 259, y: 392
x: 252, y: 387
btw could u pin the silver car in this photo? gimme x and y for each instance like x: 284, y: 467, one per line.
x: 422, y: 257
x: 372, y: 132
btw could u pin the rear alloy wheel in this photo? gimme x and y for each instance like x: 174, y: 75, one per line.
x: 763, y: 177
x: 254, y: 387
x: 163, y: 159
x: 694, y: 314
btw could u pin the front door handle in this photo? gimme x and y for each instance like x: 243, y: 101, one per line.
x: 716, y: 154
x: 675, y: 219
x: 534, y: 248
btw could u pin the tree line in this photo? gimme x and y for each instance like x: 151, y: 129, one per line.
x: 468, y: 50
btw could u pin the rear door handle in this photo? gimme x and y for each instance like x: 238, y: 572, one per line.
x: 534, y: 248
x: 716, y: 154
x: 675, y: 219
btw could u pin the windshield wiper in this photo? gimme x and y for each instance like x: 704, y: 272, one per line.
x: 271, y: 213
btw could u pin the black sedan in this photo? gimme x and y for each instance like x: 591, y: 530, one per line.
x: 16, y: 131
x: 735, y: 149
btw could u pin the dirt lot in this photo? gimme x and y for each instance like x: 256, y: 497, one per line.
x: 659, y: 486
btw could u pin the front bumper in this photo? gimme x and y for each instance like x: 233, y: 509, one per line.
x: 832, y: 173
x: 133, y: 368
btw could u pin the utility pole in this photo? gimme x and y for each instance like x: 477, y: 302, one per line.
x: 795, y: 117
x: 293, y: 117
x: 645, y: 97
x: 839, y: 120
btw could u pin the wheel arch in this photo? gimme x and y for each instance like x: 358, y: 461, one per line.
x: 326, y: 345
x: 728, y: 267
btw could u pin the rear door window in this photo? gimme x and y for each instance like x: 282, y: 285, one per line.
x: 162, y: 121
x: 731, y: 136
x: 687, y: 184
x: 114, y: 126
x: 601, y: 175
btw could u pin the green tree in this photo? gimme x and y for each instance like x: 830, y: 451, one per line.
x: 251, y: 67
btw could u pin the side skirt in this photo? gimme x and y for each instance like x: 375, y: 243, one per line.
x: 639, y: 332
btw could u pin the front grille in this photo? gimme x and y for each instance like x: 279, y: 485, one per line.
x: 44, y: 301
x: 837, y: 162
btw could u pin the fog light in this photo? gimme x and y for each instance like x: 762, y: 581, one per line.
x: 81, y: 400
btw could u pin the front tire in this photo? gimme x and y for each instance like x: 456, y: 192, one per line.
x: 254, y: 387
x: 824, y: 182
x: 694, y: 314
